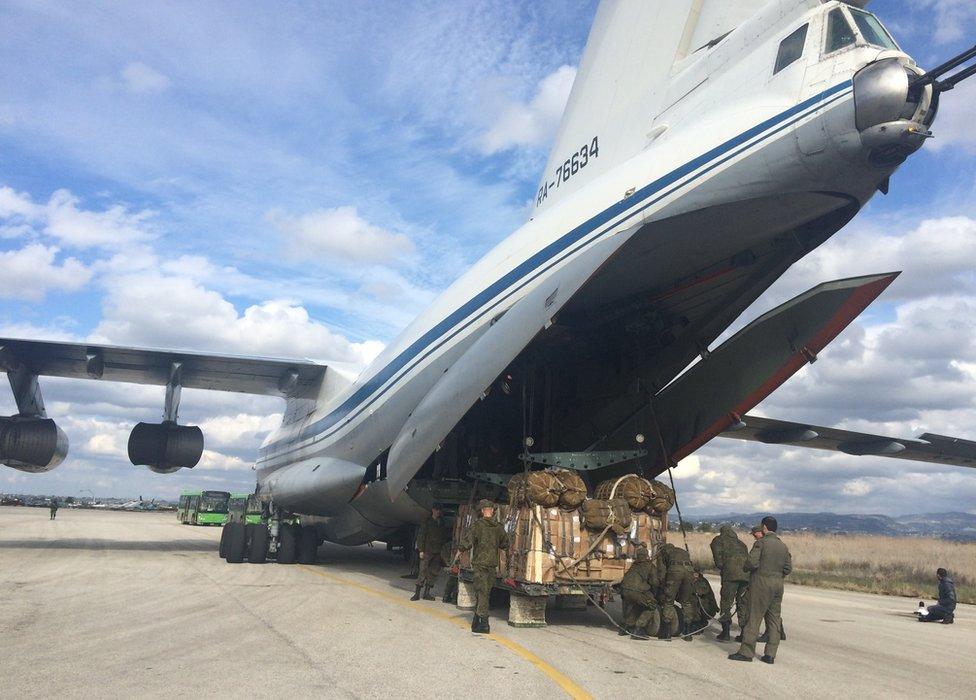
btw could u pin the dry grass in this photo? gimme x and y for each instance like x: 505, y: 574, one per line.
x: 902, y: 566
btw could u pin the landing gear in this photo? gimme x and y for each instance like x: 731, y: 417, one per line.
x: 308, y: 544
x: 223, y: 542
x: 236, y: 541
x: 287, y: 543
x: 259, y: 540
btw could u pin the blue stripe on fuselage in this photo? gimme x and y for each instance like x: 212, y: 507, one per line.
x: 355, y: 401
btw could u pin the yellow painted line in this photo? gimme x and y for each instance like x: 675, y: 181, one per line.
x: 560, y: 679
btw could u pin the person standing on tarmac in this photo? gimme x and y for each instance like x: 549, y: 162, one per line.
x: 54, y: 508
x: 484, y: 538
x: 677, y: 587
x: 730, y: 555
x: 769, y: 562
x: 757, y: 533
x: 431, y: 537
x: 641, y: 615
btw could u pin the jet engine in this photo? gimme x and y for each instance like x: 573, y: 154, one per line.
x: 165, y: 447
x: 32, y: 444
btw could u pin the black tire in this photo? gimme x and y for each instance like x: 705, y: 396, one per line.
x: 308, y: 544
x: 236, y: 541
x: 223, y: 541
x: 287, y: 544
x: 257, y: 552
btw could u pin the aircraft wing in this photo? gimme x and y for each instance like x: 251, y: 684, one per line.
x: 248, y: 375
x: 937, y: 449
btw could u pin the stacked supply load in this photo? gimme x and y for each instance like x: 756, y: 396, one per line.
x: 559, y: 536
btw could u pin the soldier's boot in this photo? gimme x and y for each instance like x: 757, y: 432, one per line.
x: 666, y: 631
x: 624, y: 631
x: 764, y: 637
x: 949, y: 619
x: 724, y: 635
x: 483, y: 627
x: 416, y: 594
x: 739, y: 657
x: 427, y: 595
x: 686, y: 634
x: 738, y: 637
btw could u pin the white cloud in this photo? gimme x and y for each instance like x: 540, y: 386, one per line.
x: 31, y: 272
x: 953, y: 127
x: 140, y: 78
x: 340, y: 232
x: 157, y: 310
x: 528, y: 124
x: 953, y: 19
x: 63, y: 219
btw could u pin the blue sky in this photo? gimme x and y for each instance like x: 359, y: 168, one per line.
x: 302, y: 179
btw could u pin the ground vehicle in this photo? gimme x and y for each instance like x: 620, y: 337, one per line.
x: 203, y: 507
x: 188, y: 500
x: 243, y: 508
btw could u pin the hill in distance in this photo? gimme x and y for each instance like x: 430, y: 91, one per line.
x: 953, y: 526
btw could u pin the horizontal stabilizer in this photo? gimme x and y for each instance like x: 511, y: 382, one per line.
x: 937, y: 449
x: 712, y: 395
x: 248, y: 375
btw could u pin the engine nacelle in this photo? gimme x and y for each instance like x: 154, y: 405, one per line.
x: 165, y: 447
x: 32, y: 444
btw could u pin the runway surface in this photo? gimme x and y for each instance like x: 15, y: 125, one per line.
x: 118, y: 604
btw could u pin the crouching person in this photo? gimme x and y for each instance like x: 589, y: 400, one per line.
x: 641, y: 615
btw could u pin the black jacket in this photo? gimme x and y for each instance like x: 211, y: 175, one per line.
x: 947, y: 594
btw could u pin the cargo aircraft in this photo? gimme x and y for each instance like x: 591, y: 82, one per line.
x: 707, y: 145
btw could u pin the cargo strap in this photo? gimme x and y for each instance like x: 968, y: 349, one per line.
x: 669, y: 462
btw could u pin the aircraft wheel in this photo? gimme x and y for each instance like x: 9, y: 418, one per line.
x: 287, y: 544
x: 257, y: 552
x: 236, y: 541
x: 223, y: 541
x: 308, y: 544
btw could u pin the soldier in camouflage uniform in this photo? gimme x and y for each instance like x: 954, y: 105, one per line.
x: 484, y: 538
x: 431, y: 537
x: 730, y: 555
x: 677, y: 566
x: 769, y: 562
x: 704, y: 606
x: 641, y: 615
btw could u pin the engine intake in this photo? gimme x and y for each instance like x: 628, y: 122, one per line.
x: 32, y: 444
x: 165, y: 447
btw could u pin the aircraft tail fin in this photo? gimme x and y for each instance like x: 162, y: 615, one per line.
x: 629, y: 56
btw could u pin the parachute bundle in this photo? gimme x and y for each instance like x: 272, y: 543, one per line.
x: 663, y: 498
x: 637, y: 491
x: 541, y: 488
x: 599, y: 514
x: 574, y: 489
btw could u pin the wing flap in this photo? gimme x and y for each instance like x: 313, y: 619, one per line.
x: 249, y: 375
x: 935, y: 449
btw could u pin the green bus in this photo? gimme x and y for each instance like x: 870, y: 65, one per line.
x: 244, y: 508
x: 203, y: 507
x: 189, y: 503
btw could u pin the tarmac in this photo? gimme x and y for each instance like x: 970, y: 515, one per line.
x: 118, y: 604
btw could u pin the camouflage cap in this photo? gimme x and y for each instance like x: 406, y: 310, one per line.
x: 756, y: 528
x: 485, y: 503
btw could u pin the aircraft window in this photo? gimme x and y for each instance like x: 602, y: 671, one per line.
x: 839, y: 31
x: 790, y: 49
x: 872, y: 30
